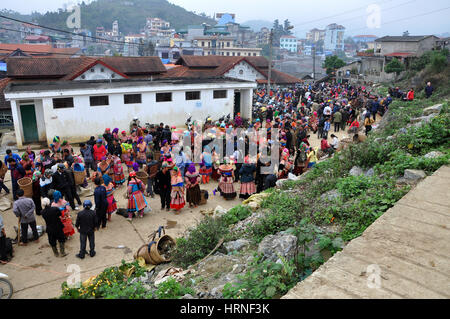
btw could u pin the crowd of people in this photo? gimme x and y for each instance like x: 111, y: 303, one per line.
x: 117, y: 158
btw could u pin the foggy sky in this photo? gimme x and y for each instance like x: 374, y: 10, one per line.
x: 396, y: 15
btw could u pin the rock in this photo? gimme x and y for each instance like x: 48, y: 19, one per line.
x: 216, y: 292
x: 237, y: 269
x: 187, y: 296
x: 5, y: 204
x: 414, y: 174
x: 402, y: 131
x: 201, y: 294
x: 274, y: 246
x: 331, y: 195
x: 423, y: 119
x: 219, y: 212
x: 144, y: 278
x: 370, y: 172
x: 434, y: 154
x: 389, y: 138
x: 435, y: 109
x: 378, y: 140
x: 217, y: 262
x: 236, y: 245
x: 356, y: 171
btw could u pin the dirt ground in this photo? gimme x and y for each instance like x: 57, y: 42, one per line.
x: 37, y: 274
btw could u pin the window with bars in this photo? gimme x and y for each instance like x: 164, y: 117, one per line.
x: 63, y: 103
x: 194, y: 95
x: 163, y: 97
x: 99, y: 100
x: 132, y: 98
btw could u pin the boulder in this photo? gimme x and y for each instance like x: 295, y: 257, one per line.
x: 219, y: 212
x: 414, y: 174
x: 389, y: 138
x: 423, y: 119
x: 331, y: 195
x: 434, y: 154
x: 274, y: 246
x: 370, y: 172
x: 236, y: 245
x: 216, y: 292
x: 356, y: 171
x: 435, y: 109
x: 187, y: 296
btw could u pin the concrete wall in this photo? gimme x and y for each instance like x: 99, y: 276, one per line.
x: 98, y: 74
x: 244, y: 71
x: 77, y: 124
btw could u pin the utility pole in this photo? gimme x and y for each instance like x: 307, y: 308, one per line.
x: 314, y: 63
x: 270, y: 60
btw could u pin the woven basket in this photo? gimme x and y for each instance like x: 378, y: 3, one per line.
x: 27, y: 185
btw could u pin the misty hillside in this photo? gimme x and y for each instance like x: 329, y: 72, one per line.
x: 131, y: 14
x: 256, y: 25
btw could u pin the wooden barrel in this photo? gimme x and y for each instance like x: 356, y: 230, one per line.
x: 27, y: 185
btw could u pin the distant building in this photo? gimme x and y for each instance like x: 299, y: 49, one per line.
x: 38, y: 39
x: 289, y: 42
x: 263, y: 36
x: 315, y: 35
x: 156, y: 27
x: 405, y: 46
x: 364, y: 38
x: 334, y: 38
x: 224, y: 46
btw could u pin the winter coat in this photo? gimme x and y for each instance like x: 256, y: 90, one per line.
x: 24, y: 208
x: 246, y: 173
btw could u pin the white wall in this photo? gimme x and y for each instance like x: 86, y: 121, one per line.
x: 98, y: 74
x: 248, y: 73
x: 77, y: 124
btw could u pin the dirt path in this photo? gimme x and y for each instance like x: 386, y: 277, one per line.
x: 36, y: 273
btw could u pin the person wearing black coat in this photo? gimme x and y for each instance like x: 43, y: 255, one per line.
x: 101, y: 203
x: 115, y: 148
x: 54, y: 227
x: 63, y: 182
x: 86, y: 224
x: 166, y: 134
x: 163, y: 186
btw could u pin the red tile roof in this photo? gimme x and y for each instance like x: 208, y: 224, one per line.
x: 400, y: 54
x: 37, y: 49
x: 70, y: 68
x: 213, y: 66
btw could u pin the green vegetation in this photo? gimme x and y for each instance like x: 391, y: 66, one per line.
x: 112, y: 283
x: 395, y: 66
x: 171, y: 289
x: 131, y: 15
x: 332, y: 63
x: 430, y: 58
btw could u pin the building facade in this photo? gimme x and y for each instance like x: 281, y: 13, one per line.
x: 77, y: 110
x: 289, y: 43
x: 334, y: 38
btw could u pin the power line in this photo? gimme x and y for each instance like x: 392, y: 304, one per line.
x: 358, y: 17
x: 59, y: 30
x: 63, y: 38
x: 51, y: 53
x: 408, y: 18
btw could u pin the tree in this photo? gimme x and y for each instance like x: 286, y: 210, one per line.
x: 438, y: 62
x: 395, y: 66
x: 287, y: 27
x: 332, y: 63
x: 146, y: 48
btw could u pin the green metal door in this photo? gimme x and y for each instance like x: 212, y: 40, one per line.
x: 29, y: 124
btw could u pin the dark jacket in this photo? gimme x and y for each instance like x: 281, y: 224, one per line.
x: 162, y: 181
x: 87, y: 154
x: 54, y: 225
x: 166, y: 134
x: 17, y: 172
x: 101, y: 203
x: 62, y: 181
x: 115, y: 149
x: 246, y: 173
x: 86, y: 221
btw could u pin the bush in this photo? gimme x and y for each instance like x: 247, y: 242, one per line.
x: 200, y: 242
x: 236, y: 214
x: 264, y: 280
x: 112, y: 283
x: 171, y: 289
x: 438, y: 63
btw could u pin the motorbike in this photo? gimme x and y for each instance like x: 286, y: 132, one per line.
x: 6, y: 287
x: 188, y: 122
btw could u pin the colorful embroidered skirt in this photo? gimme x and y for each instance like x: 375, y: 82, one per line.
x: 177, y: 201
x: 136, y: 202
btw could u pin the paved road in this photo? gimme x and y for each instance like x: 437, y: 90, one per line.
x: 408, y: 247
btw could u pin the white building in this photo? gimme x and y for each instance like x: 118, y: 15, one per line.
x: 80, y: 109
x: 289, y: 42
x: 334, y: 38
